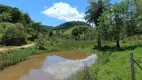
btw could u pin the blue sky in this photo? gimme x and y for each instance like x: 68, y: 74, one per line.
x: 52, y: 12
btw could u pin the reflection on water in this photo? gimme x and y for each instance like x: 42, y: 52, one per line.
x: 56, y: 66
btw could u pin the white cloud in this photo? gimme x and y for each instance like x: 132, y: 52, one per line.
x: 64, y: 11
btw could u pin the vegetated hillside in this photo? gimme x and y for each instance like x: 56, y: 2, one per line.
x: 48, y: 27
x: 12, y: 21
x: 13, y: 15
x: 69, y: 31
x: 71, y: 24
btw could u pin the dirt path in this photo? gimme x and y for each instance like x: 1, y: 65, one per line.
x: 16, y: 47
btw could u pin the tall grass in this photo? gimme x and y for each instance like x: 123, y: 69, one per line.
x: 9, y: 58
x: 115, y: 64
x: 13, y: 57
x: 72, y: 44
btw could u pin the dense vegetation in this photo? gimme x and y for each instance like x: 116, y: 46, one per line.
x: 71, y: 24
x: 119, y: 23
x: 13, y: 57
x: 17, y: 27
x: 116, y: 31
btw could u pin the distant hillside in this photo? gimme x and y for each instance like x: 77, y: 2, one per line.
x: 69, y: 31
x: 48, y: 27
x: 71, y: 24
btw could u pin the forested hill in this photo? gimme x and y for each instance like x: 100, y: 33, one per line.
x: 18, y: 27
x: 71, y: 24
x: 13, y: 15
x: 49, y: 27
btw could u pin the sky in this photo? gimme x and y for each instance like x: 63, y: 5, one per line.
x: 52, y: 12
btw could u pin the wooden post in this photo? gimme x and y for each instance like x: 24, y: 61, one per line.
x: 132, y: 66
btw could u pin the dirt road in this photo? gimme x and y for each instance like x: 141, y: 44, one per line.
x: 16, y: 47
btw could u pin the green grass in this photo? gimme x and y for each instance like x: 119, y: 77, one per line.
x: 115, y: 64
x: 13, y: 57
x: 9, y: 58
x: 112, y: 64
x: 69, y: 31
x: 64, y: 45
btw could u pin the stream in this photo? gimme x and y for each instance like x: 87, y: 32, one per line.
x: 51, y: 66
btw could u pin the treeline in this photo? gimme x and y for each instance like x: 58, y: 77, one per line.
x: 114, y: 22
x: 16, y: 27
x: 110, y: 23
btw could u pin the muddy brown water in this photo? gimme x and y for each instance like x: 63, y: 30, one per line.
x: 51, y: 66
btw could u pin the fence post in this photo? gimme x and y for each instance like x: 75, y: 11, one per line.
x: 132, y: 66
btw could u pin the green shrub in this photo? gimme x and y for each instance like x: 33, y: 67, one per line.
x: 15, y: 35
x: 40, y: 41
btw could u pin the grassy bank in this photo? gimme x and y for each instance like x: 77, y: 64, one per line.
x: 114, y: 64
x: 12, y: 57
x: 8, y: 58
x: 72, y: 44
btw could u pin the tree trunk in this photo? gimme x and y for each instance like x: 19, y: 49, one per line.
x: 117, y: 43
x: 138, y: 37
x: 99, y: 43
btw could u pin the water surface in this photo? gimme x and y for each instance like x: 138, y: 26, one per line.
x: 53, y: 66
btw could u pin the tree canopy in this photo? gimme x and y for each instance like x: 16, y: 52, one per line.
x: 16, y: 24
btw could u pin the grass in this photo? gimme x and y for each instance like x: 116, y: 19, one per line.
x: 72, y: 44
x: 69, y: 31
x: 15, y: 56
x: 9, y: 58
x: 115, y: 64
x: 12, y: 57
x: 112, y: 64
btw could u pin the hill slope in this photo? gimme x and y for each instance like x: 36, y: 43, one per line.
x: 71, y: 24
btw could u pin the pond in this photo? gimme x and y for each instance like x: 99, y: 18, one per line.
x: 51, y: 66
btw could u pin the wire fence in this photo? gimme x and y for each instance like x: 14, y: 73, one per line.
x: 132, y: 62
x: 138, y: 65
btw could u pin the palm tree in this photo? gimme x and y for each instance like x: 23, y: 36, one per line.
x: 94, y: 11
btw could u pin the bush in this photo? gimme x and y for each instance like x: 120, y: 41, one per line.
x: 40, y: 41
x: 15, y: 35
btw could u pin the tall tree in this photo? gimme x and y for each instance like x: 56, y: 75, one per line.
x: 94, y: 11
x: 138, y: 17
x: 27, y: 19
x: 116, y: 21
x: 15, y: 35
x: 16, y: 15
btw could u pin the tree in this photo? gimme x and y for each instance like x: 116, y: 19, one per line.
x: 26, y: 19
x: 15, y: 35
x: 138, y: 29
x: 40, y: 41
x: 50, y: 34
x: 138, y: 17
x: 16, y: 15
x: 34, y: 28
x: 113, y: 23
x: 93, y: 13
x: 5, y: 17
x: 79, y: 32
x: 103, y: 25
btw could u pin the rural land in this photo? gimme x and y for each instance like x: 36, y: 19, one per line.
x: 106, y: 45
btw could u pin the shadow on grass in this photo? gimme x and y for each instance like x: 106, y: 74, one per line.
x: 113, y: 49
